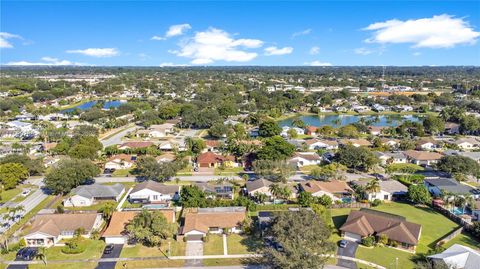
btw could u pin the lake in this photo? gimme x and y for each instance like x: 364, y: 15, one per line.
x: 90, y: 104
x: 341, y: 120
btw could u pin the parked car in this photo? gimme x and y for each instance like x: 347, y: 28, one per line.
x: 27, y: 254
x: 343, y: 243
x: 25, y: 192
x: 108, y: 249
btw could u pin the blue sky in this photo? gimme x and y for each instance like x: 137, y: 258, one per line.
x: 155, y: 33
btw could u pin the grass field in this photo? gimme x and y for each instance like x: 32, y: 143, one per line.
x: 93, y: 251
x: 464, y: 239
x: 214, y: 246
x: 177, y: 248
x: 238, y: 244
x: 224, y: 262
x: 150, y: 264
x: 8, y: 195
x: 83, y: 265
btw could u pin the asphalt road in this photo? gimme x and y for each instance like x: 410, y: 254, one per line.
x: 117, y: 138
x: 114, y: 254
x: 348, y: 251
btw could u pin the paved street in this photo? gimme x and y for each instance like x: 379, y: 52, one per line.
x: 117, y: 138
x: 348, y: 251
x: 114, y: 254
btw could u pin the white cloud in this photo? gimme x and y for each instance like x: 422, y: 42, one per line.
x: 173, y: 30
x: 314, y: 50
x: 97, y: 52
x: 318, y: 63
x: 417, y: 53
x: 217, y: 45
x: 4, y: 37
x: 170, y: 64
x: 362, y: 51
x: 304, y: 32
x: 46, y: 61
x: 278, y: 51
x: 442, y: 31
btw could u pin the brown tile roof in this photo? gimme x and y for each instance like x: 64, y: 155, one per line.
x: 120, y: 219
x: 212, y: 143
x: 334, y: 186
x: 201, y: 221
x: 423, y: 155
x: 311, y: 129
x: 367, y: 222
x: 210, y: 157
x: 166, y: 156
x: 311, y: 156
x: 137, y: 144
x: 155, y: 186
x: 122, y: 157
x: 54, y: 224
x: 49, y: 146
x: 360, y: 141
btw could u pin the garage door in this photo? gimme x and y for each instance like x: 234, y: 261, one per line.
x: 352, y: 237
x: 194, y: 237
x: 115, y: 240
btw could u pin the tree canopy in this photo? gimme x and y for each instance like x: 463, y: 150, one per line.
x: 150, y: 228
x: 69, y: 174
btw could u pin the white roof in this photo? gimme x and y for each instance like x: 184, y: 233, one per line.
x: 459, y: 256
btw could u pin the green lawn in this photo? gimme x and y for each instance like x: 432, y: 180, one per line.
x: 78, y: 265
x: 122, y: 173
x: 224, y: 262
x: 8, y: 195
x: 239, y: 244
x: 464, y: 239
x: 139, y: 250
x: 434, y: 227
x: 228, y: 171
x: 93, y: 251
x: 214, y: 246
x: 150, y: 264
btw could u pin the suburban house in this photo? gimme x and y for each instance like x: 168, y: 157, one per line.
x: 259, y: 186
x: 361, y: 142
x: 311, y: 130
x: 154, y: 192
x: 426, y: 143
x: 157, y: 131
x: 285, y: 130
x: 115, y: 232
x: 222, y: 190
x: 300, y: 159
x: 423, y: 158
x: 316, y: 144
x: 120, y: 161
x: 437, y: 186
x: 476, y: 211
x: 467, y: 143
x: 211, y: 159
x: 367, y: 222
x: 48, y: 229
x: 457, y: 256
x: 135, y: 145
x: 213, y: 145
x: 389, y: 190
x: 87, y: 195
x: 390, y: 157
x: 199, y: 223
x: 336, y: 189
x: 166, y: 158
x: 375, y: 130
x: 391, y: 142
x: 452, y: 128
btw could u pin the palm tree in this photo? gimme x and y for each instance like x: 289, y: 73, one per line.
x: 373, y: 186
x: 285, y: 193
x: 41, y: 255
x: 275, y: 190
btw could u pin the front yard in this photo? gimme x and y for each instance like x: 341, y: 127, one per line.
x: 434, y: 227
x: 214, y: 245
x: 239, y: 244
x: 177, y: 248
x: 93, y: 250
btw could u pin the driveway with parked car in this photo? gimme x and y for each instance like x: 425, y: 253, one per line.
x: 110, y: 251
x: 347, y: 248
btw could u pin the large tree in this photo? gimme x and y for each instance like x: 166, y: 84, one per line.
x: 302, y: 248
x: 273, y: 170
x: 192, y: 196
x: 150, y: 228
x: 149, y: 169
x: 419, y: 194
x: 269, y: 128
x: 358, y: 158
x: 275, y: 148
x: 456, y: 164
x: 69, y: 174
x: 433, y: 124
x: 11, y: 174
x: 34, y: 166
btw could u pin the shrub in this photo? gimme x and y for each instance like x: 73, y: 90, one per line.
x: 392, y: 243
x: 375, y: 202
x: 74, y: 246
x: 383, y: 239
x: 368, y: 241
x: 60, y: 209
x: 205, y: 238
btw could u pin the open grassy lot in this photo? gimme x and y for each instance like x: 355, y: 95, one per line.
x: 239, y: 244
x: 150, y: 264
x: 214, y: 246
x: 93, y: 251
x: 464, y: 239
x: 139, y: 250
x: 434, y: 227
x: 8, y: 195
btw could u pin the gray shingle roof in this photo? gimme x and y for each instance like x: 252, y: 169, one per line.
x: 99, y: 191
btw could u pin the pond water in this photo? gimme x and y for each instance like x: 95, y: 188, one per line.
x: 341, y: 120
x: 88, y: 105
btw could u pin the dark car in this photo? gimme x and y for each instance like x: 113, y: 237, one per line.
x: 343, y: 243
x: 108, y: 249
x: 27, y: 254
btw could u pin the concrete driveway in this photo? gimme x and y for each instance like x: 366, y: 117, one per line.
x: 348, y: 251
x: 194, y: 248
x: 114, y: 254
